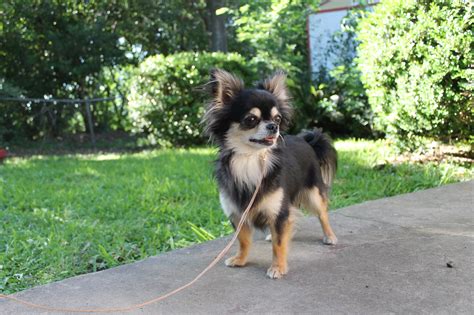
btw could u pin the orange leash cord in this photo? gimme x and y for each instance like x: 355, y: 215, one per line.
x: 159, y: 298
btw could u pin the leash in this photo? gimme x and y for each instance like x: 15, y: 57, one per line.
x: 161, y: 297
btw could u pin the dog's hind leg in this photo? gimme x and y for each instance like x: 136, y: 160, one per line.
x: 329, y: 236
x: 245, y: 241
x: 318, y: 204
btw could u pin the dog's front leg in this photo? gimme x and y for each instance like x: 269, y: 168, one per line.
x: 281, y: 234
x: 245, y: 241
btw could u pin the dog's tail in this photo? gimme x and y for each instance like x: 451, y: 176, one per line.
x: 324, y: 149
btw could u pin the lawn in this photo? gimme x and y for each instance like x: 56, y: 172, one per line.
x: 67, y: 215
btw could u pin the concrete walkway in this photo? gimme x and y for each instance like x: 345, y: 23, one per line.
x: 391, y: 258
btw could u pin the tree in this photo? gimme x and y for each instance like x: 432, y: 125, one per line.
x: 217, y: 26
x: 54, y: 49
x: 60, y: 48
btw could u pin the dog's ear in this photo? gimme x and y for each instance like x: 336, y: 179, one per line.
x: 224, y: 86
x: 276, y: 84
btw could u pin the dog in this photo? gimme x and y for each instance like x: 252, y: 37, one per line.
x: 295, y: 171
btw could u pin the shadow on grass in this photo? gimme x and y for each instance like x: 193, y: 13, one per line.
x: 108, y: 142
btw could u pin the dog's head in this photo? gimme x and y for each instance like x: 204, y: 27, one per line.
x: 247, y: 119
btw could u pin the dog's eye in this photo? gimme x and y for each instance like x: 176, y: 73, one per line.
x: 250, y: 120
x: 277, y: 119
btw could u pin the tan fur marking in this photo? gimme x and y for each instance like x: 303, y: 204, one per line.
x: 245, y: 241
x: 256, y: 111
x: 274, y: 112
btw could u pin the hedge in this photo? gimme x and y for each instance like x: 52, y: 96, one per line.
x: 416, y: 59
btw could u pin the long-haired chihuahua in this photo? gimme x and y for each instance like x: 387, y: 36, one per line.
x: 296, y: 171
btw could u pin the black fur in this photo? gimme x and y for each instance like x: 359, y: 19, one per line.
x: 325, y: 152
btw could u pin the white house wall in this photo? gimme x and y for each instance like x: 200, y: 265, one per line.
x: 321, y: 27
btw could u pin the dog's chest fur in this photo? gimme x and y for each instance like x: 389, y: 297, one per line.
x: 246, y: 171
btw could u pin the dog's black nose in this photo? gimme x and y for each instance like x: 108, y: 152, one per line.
x: 272, y: 127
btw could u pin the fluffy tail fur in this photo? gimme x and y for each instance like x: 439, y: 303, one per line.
x: 327, y: 155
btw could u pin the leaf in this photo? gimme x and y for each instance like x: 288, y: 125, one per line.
x: 201, y: 233
x: 222, y: 10
x: 244, y: 8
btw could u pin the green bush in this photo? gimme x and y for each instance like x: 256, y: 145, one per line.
x: 416, y: 59
x: 166, y: 101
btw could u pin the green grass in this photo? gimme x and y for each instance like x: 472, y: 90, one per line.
x: 67, y: 215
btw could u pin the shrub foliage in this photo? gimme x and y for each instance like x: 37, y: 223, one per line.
x: 167, y: 96
x: 416, y: 59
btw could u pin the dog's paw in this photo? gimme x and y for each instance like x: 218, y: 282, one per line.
x: 276, y: 272
x: 268, y: 238
x: 330, y: 240
x: 235, y: 261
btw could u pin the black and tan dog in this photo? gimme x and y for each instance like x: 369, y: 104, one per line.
x: 297, y: 171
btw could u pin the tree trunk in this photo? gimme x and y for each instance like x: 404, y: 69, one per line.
x: 217, y: 26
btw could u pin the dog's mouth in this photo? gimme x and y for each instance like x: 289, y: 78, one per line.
x: 269, y: 140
